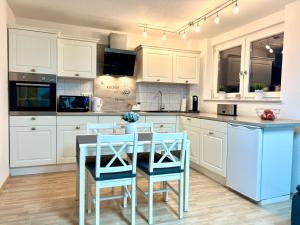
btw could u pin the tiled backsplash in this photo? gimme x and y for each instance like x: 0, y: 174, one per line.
x: 114, y: 99
x: 147, y: 94
x: 74, y: 86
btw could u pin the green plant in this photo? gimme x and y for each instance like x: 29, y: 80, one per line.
x: 258, y: 86
x: 221, y: 88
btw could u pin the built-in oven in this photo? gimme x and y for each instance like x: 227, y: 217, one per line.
x: 32, y: 94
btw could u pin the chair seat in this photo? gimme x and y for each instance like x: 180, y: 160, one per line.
x: 91, y: 167
x: 143, y: 164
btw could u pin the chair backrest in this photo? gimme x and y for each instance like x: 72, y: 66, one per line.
x: 118, y: 145
x: 166, y: 144
x: 101, y: 128
x: 143, y: 127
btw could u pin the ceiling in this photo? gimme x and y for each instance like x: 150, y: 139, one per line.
x: 125, y: 15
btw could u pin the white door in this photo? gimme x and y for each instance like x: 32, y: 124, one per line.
x: 32, y: 52
x: 186, y: 67
x: 32, y: 146
x: 66, y: 142
x: 194, y: 137
x: 77, y: 59
x: 214, y: 151
x: 157, y: 65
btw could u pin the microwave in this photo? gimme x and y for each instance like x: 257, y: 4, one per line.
x: 68, y: 103
x: 32, y: 94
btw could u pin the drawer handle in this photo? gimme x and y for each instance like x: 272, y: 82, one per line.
x: 33, y: 118
x: 189, y: 119
x: 33, y: 128
x: 210, y: 133
x: 32, y: 70
x: 186, y: 81
x: 77, y: 127
x: 122, y: 126
x: 161, y: 125
x: 76, y: 75
x: 158, y: 80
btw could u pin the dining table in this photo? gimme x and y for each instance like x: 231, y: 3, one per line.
x: 86, y: 147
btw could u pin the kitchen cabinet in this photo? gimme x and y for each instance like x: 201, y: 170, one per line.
x: 32, y: 146
x: 163, y: 124
x: 155, y: 64
x: 186, y: 67
x: 77, y: 58
x: 32, y: 51
x: 213, y: 145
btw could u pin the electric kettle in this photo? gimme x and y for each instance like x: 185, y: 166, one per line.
x: 97, y: 104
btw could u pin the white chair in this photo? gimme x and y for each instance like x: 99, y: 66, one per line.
x: 102, y: 128
x: 161, y: 165
x: 113, y: 171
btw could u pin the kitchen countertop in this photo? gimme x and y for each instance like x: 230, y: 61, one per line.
x: 244, y: 120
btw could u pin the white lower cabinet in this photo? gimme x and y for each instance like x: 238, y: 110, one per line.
x: 194, y: 137
x: 66, y: 142
x: 213, y: 146
x: 32, y: 146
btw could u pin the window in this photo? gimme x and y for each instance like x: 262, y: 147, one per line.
x: 229, y: 69
x: 241, y: 64
x: 266, y: 63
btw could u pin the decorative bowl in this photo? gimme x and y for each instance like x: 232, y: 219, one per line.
x: 267, y: 114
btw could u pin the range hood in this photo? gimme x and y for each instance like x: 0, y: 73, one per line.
x: 117, y: 60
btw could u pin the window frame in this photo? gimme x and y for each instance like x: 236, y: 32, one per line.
x: 249, y: 39
x: 245, y: 42
x: 216, y: 51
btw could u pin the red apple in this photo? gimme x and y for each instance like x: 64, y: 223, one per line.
x: 270, y: 116
x: 268, y: 111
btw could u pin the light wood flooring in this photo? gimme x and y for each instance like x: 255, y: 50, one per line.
x: 50, y: 199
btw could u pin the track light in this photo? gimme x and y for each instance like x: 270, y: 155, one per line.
x: 268, y: 47
x: 183, y: 35
x: 236, y: 8
x: 197, y: 29
x: 217, y: 19
x: 145, y: 32
x: 164, y: 37
x: 271, y: 51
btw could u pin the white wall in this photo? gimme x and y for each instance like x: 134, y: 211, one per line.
x: 4, y: 156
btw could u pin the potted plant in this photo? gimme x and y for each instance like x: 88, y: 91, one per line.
x: 131, y: 118
x: 222, y: 92
x: 259, y: 91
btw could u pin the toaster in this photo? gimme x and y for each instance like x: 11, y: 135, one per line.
x: 227, y: 109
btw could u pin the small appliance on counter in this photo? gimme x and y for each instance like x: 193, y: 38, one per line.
x: 227, y: 109
x: 97, y: 104
x: 183, y: 105
x: 193, y: 104
x: 136, y: 107
x: 73, y: 103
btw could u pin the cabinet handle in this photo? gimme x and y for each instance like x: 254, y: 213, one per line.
x: 33, y: 128
x: 186, y: 81
x: 77, y: 75
x: 33, y: 118
x: 32, y: 70
x: 122, y: 126
x: 158, y: 80
x: 77, y: 127
x: 161, y: 125
x: 189, y: 119
x: 245, y: 72
x: 210, y: 133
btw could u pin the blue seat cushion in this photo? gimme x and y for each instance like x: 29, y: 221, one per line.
x: 143, y: 164
x: 91, y: 167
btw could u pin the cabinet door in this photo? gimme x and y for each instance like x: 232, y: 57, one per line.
x: 157, y: 65
x: 66, y: 142
x: 32, y: 52
x: 77, y: 59
x: 214, y: 151
x: 164, y: 127
x: 186, y: 67
x: 32, y: 146
x: 194, y: 137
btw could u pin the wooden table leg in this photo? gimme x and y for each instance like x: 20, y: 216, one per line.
x: 82, y: 187
x: 187, y: 178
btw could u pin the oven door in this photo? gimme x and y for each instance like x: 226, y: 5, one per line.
x: 32, y: 96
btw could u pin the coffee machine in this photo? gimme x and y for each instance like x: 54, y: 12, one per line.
x: 193, y: 104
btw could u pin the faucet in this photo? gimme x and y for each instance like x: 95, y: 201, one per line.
x: 161, y: 105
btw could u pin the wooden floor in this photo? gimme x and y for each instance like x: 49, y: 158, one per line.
x: 50, y: 199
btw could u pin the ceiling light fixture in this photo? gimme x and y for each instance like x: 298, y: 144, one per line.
x: 271, y: 51
x: 268, y: 47
x: 236, y: 8
x: 217, y: 19
x: 197, y: 29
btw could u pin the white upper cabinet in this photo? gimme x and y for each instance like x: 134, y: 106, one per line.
x: 156, y: 64
x: 186, y: 67
x: 32, y: 51
x: 77, y: 58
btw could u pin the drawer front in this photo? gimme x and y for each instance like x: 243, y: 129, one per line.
x: 161, y: 119
x: 214, y: 125
x: 76, y: 120
x: 189, y: 121
x: 22, y: 121
x: 164, y: 128
x: 117, y: 119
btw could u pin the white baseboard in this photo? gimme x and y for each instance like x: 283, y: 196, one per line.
x: 42, y: 169
x: 275, y: 200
